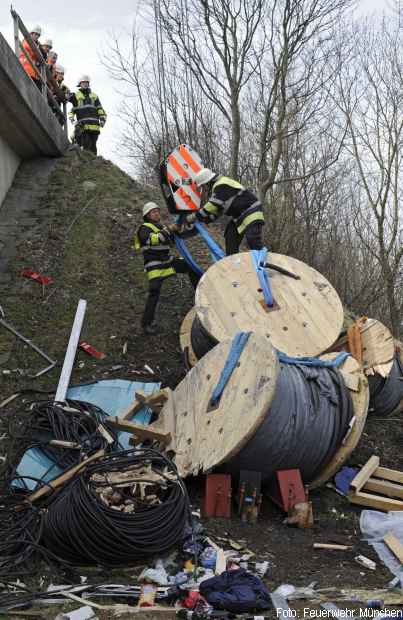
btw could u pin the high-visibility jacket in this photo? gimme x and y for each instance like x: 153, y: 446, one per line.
x: 25, y: 63
x: 228, y: 197
x: 87, y: 109
x: 154, y: 241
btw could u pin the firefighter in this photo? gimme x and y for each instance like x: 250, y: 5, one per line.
x: 154, y: 240
x: 33, y: 74
x: 225, y: 196
x: 59, y: 77
x: 45, y: 47
x: 87, y: 114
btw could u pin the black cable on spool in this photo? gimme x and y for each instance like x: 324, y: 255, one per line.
x: 304, y: 427
x: 83, y: 530
x: 201, y: 340
x: 386, y: 393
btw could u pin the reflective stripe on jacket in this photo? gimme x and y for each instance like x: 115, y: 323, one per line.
x: 229, y: 197
x: 154, y: 241
x: 87, y: 109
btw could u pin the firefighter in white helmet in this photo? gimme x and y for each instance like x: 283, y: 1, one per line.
x: 154, y: 240
x: 225, y: 196
x: 30, y: 59
x: 45, y: 47
x: 87, y: 114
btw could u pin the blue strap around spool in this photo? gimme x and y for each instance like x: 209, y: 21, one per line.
x: 313, y: 361
x: 237, y: 346
x: 259, y: 258
x: 217, y: 253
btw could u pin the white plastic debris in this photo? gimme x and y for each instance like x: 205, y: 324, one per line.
x: 83, y: 613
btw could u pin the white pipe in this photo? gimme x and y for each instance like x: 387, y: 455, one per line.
x: 71, y: 352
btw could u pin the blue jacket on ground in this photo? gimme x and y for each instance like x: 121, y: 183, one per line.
x: 237, y: 591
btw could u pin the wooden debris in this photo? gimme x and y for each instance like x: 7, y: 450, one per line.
x: 387, y: 484
x: 394, y: 545
x: 364, y: 561
x: 155, y: 401
x: 140, y: 430
x: 333, y: 547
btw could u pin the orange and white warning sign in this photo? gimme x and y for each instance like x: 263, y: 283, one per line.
x: 183, y: 163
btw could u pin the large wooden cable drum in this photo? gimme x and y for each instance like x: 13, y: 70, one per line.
x: 205, y: 437
x: 305, y: 320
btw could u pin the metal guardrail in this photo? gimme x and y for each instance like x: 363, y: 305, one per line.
x: 40, y: 68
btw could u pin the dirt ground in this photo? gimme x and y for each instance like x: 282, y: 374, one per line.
x: 86, y: 246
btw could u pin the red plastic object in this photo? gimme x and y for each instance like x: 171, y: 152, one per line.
x: 288, y: 489
x: 34, y: 275
x: 91, y: 350
x: 217, y: 499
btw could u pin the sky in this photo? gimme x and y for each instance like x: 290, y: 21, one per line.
x: 80, y: 31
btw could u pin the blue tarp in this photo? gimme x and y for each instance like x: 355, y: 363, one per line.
x: 113, y: 396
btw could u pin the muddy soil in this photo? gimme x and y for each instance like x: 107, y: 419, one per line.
x: 85, y: 245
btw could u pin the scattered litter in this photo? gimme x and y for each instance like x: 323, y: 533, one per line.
x: 37, y: 277
x: 261, y: 568
x: 364, y: 561
x: 124, y: 348
x: 331, y: 546
x: 85, y: 346
x: 148, y: 369
x: 375, y: 526
x: 84, y: 613
x: 156, y: 575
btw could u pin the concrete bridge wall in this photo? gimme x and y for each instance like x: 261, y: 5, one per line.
x: 28, y: 128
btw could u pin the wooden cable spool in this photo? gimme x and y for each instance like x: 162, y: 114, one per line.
x: 307, y: 315
x: 372, y: 345
x: 204, y: 438
x: 185, y: 340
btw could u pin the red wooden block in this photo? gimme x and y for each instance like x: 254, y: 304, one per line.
x: 91, y: 350
x: 217, y: 499
x: 35, y: 275
x: 288, y: 489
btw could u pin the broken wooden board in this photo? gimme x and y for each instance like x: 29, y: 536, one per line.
x: 394, y: 545
x: 360, y: 400
x: 150, y: 431
x: 375, y: 501
x: 305, y: 320
x: 364, y: 474
x: 384, y: 487
x: 185, y: 339
x: 154, y: 401
x: 204, y: 438
x: 377, y: 346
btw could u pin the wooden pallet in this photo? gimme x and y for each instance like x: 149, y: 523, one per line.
x: 386, y: 486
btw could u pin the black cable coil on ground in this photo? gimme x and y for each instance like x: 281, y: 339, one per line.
x: 386, y: 393
x: 76, y: 421
x: 304, y: 427
x: 81, y: 529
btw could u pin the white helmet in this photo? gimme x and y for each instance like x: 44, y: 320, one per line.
x: 83, y: 78
x: 36, y: 29
x: 149, y: 206
x: 47, y: 42
x: 205, y: 175
x: 59, y: 69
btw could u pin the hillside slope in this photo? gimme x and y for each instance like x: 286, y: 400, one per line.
x: 85, y: 243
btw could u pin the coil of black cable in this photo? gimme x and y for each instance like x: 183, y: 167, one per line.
x: 386, y: 393
x: 80, y: 528
x: 201, y: 340
x: 304, y: 427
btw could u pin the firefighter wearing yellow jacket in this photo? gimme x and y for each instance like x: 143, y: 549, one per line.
x: 87, y: 115
x: 154, y: 240
x: 225, y: 196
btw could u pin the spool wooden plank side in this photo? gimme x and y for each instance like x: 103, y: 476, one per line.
x: 203, y: 438
x: 307, y: 316
x: 185, y: 339
x: 360, y: 400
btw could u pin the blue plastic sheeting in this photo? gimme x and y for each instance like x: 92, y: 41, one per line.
x: 114, y: 396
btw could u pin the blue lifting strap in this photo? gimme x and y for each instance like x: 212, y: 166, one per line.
x: 259, y: 258
x: 237, y: 346
x: 217, y: 253
x: 313, y: 361
x: 185, y: 253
